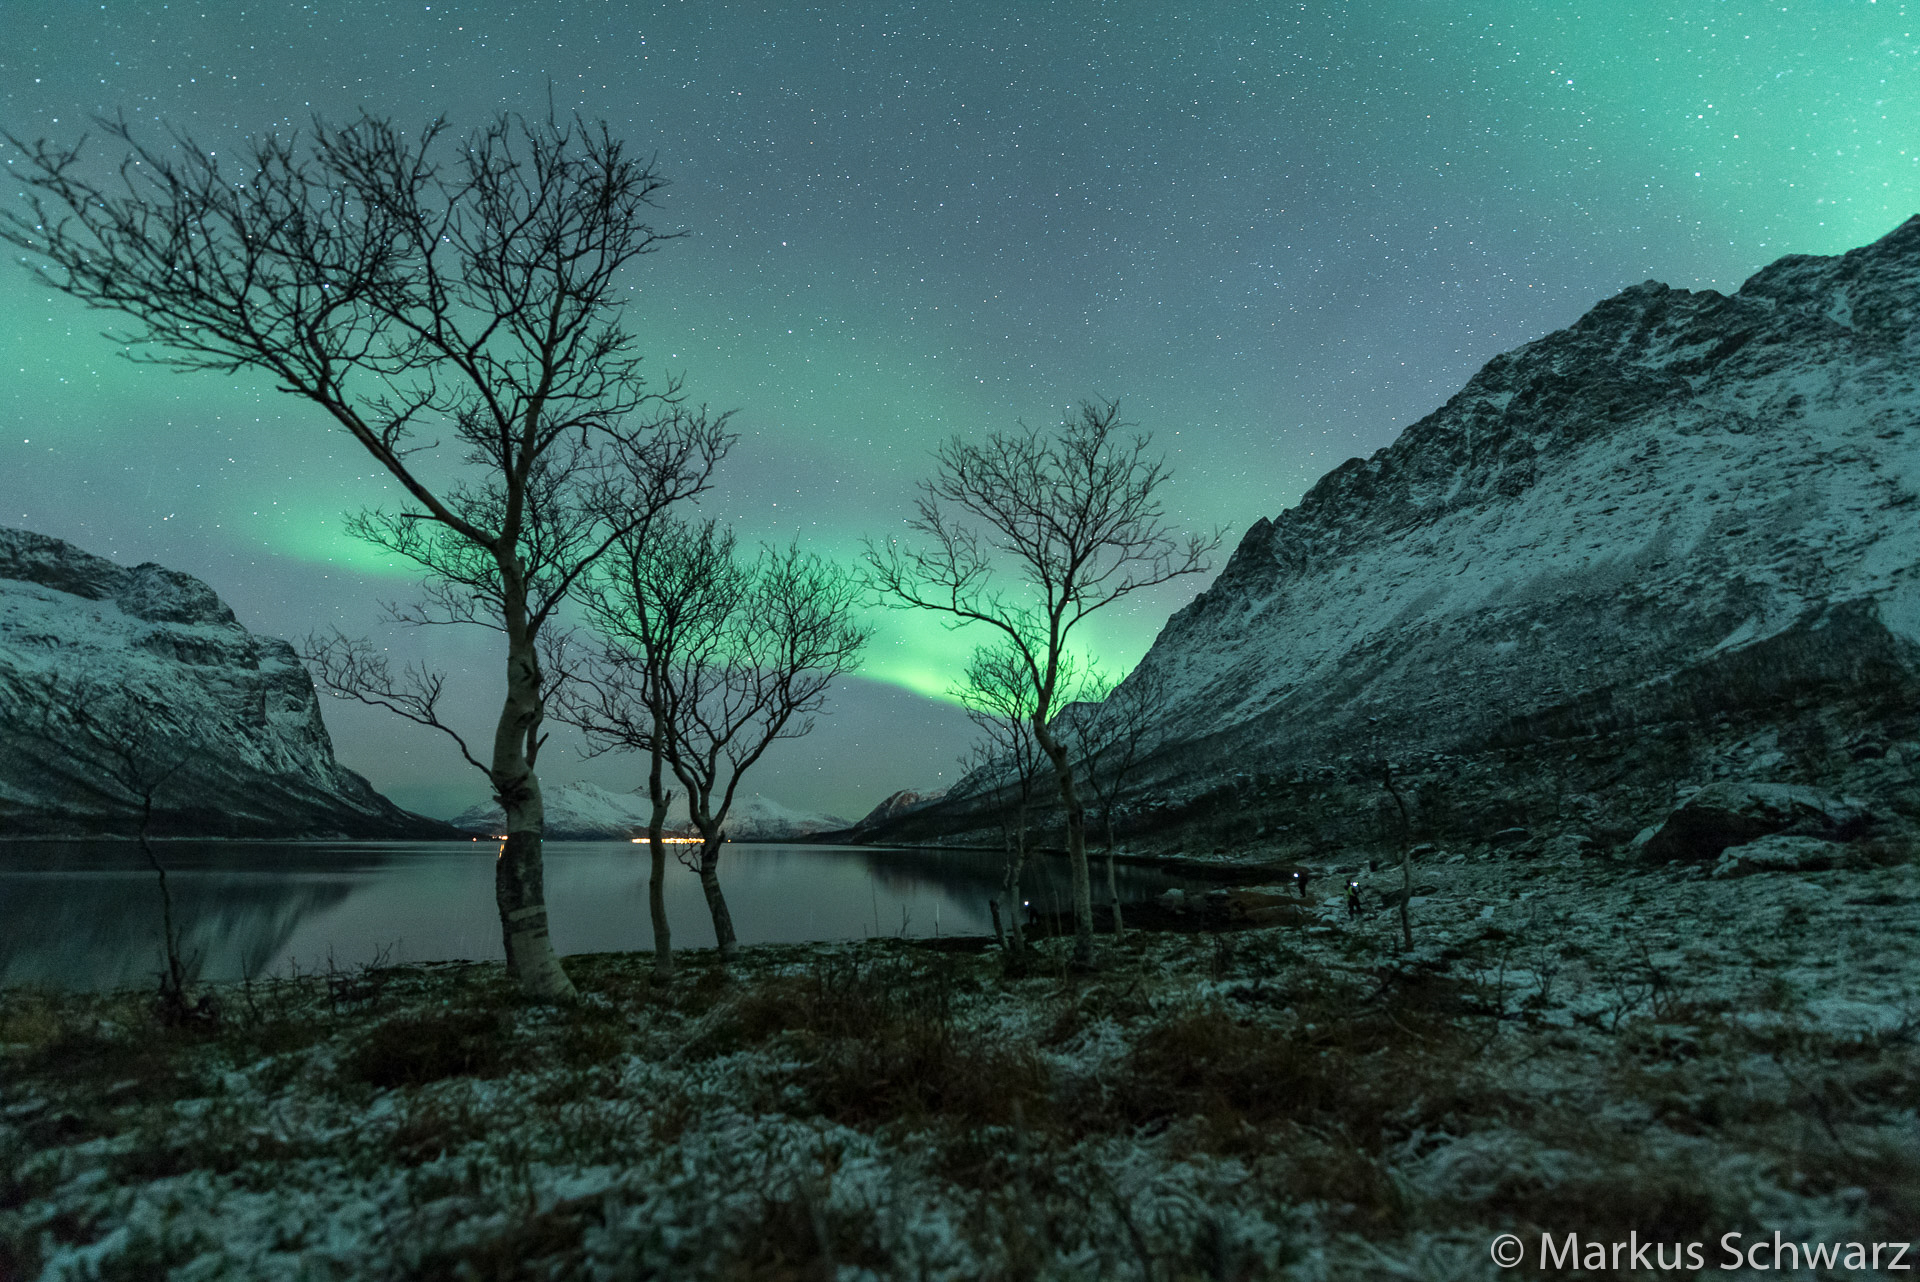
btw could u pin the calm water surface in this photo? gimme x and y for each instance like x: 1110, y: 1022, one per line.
x: 86, y: 915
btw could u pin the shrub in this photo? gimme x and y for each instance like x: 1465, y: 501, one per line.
x: 430, y: 1046
x: 1231, y: 1074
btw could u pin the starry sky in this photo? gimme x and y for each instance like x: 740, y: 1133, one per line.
x: 1276, y: 232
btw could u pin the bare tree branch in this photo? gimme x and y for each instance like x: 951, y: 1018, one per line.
x: 708, y: 661
x: 351, y: 668
x: 1074, y: 520
x: 476, y: 297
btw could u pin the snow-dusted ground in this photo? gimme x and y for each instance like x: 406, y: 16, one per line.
x: 1571, y: 1047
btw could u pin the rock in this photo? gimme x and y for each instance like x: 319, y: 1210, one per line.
x: 1247, y: 899
x: 1569, y: 846
x: 1392, y: 898
x: 1732, y: 814
x: 1278, y: 915
x: 243, y: 717
x: 1783, y: 853
x: 1508, y: 837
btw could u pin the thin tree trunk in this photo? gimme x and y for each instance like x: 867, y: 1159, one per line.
x: 657, y: 874
x: 716, y: 901
x: 1113, y: 881
x: 1016, y: 864
x: 174, y: 987
x: 1076, y: 843
x: 519, y: 883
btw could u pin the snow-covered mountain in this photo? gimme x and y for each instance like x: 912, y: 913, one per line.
x: 897, y: 804
x: 1688, y: 516
x: 583, y: 811
x: 238, y: 711
x: 1674, y: 542
x: 757, y: 818
x: 576, y: 811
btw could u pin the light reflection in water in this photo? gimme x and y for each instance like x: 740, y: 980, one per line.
x: 86, y: 914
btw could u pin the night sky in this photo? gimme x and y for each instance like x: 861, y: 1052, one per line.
x: 1277, y: 233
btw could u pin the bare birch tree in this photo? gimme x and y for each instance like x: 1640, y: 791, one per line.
x: 479, y: 296
x: 1109, y: 731
x: 999, y: 701
x: 723, y: 659
x: 667, y: 590
x: 1074, y: 518
x: 140, y: 746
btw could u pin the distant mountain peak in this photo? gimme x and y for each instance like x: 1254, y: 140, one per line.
x: 583, y: 811
x: 897, y: 804
x: 257, y: 760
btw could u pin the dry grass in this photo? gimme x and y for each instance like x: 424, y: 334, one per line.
x: 880, y: 1044
x: 801, y: 1237
x: 428, y: 1046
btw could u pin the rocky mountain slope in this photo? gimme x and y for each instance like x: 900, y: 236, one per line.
x: 582, y: 811
x: 896, y: 804
x: 1674, y: 542
x: 166, y: 674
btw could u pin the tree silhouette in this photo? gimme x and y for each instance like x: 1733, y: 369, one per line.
x: 1109, y: 730
x: 708, y: 661
x: 140, y: 746
x: 476, y: 297
x: 1007, y: 758
x: 1075, y: 519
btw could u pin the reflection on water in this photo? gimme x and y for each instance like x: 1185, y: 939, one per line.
x: 86, y: 915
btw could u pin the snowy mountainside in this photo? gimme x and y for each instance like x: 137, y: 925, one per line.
x: 757, y: 818
x: 577, y: 811
x: 241, y: 712
x: 582, y: 811
x: 1685, y: 508
x: 1672, y: 543
x: 896, y: 804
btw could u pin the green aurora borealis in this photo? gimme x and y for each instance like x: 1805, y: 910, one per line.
x: 1277, y: 233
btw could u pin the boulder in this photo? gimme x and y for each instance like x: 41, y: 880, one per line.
x: 1782, y: 853
x: 1278, y: 915
x: 1733, y: 814
x: 1570, y: 846
x: 1247, y: 900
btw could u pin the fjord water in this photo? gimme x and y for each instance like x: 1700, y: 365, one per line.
x: 86, y: 915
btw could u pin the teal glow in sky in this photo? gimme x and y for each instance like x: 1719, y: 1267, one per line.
x: 1277, y: 234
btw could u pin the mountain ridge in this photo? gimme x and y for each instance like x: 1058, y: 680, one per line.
x: 1672, y: 542
x: 585, y: 811
x: 237, y: 709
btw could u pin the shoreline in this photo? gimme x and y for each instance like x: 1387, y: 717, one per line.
x: 1570, y: 1047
